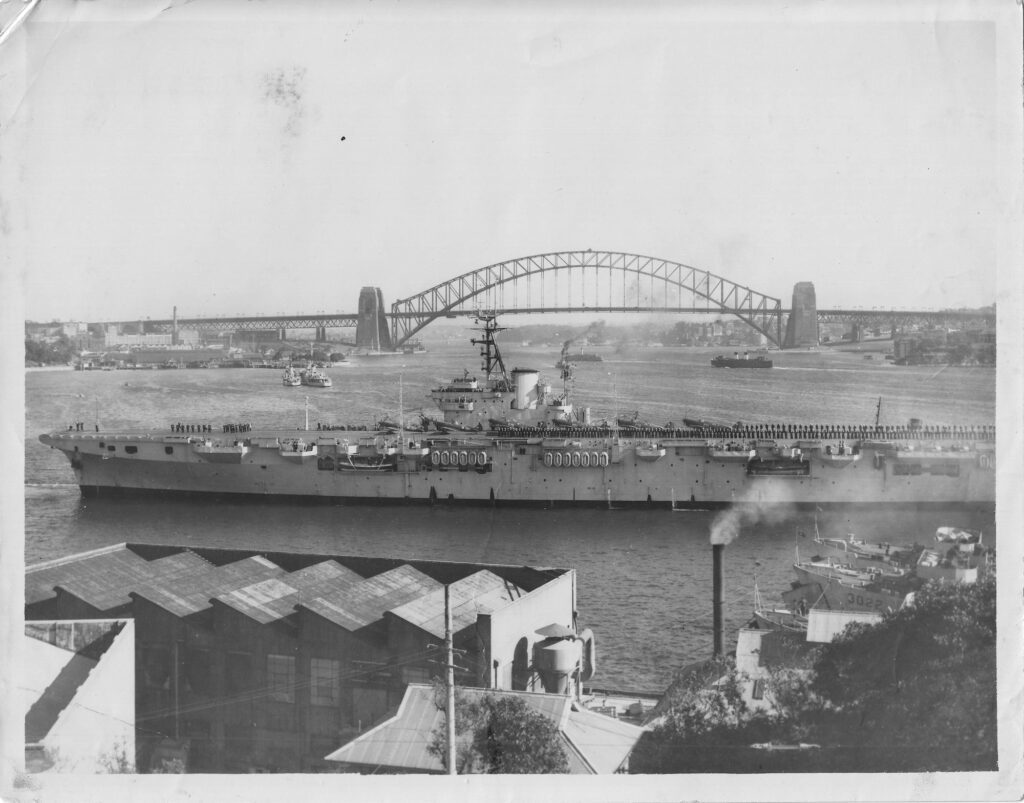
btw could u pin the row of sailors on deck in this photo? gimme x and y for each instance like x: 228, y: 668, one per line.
x: 782, y: 431
x: 866, y: 430
x: 191, y: 428
x: 237, y: 427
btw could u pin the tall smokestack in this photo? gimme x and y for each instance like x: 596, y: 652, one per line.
x: 174, y: 328
x: 716, y: 594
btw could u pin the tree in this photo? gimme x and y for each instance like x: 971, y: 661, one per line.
x: 60, y: 351
x: 913, y: 693
x: 499, y: 734
x: 917, y: 692
x: 705, y: 725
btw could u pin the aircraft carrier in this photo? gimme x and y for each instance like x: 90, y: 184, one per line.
x: 509, y: 438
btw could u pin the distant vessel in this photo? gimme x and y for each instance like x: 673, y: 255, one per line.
x: 291, y: 378
x: 315, y: 377
x: 779, y: 618
x: 746, y: 361
x: 510, y: 437
x: 581, y: 356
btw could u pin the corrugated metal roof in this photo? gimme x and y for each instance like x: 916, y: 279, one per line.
x: 365, y: 602
x: 181, y: 563
x: 273, y: 599
x: 99, y: 580
x: 105, y: 582
x: 41, y: 580
x: 105, y: 577
x: 604, y: 742
x: 401, y: 741
x: 592, y: 742
x: 192, y: 593
x: 481, y: 592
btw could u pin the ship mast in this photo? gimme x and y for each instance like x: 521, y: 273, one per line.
x: 493, y: 364
x: 878, y: 412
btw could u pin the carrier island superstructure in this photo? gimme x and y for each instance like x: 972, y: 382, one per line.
x: 510, y: 438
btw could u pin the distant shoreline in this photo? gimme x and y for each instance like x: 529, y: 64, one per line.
x: 49, y: 368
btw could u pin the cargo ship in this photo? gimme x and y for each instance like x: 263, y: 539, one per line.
x: 508, y: 437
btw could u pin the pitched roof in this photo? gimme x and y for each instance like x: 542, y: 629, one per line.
x: 593, y: 743
x: 104, y: 578
x: 481, y: 592
x: 365, y: 602
x: 603, y: 741
x: 276, y: 598
x: 190, y: 594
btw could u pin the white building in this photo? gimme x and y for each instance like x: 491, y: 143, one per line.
x: 761, y: 652
x: 78, y: 692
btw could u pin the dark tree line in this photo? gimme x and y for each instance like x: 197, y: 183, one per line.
x: 59, y: 352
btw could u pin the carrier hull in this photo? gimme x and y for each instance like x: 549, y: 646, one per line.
x: 611, y: 470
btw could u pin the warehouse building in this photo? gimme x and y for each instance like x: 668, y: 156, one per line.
x: 271, y: 661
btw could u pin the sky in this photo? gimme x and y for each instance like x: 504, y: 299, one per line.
x: 273, y: 157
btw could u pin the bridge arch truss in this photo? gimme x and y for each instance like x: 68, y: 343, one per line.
x: 601, y: 281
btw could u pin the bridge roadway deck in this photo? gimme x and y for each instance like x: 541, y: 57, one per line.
x: 348, y: 320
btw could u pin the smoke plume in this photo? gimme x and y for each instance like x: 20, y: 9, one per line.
x: 754, y: 507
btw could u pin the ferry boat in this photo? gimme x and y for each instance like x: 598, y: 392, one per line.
x: 315, y: 377
x: 509, y: 437
x: 291, y: 378
x: 746, y: 361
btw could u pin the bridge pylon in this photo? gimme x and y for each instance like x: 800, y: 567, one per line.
x: 372, y: 330
x: 802, y: 325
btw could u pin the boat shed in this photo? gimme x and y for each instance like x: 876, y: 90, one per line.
x: 268, y: 661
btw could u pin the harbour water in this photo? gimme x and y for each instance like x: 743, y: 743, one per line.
x: 644, y: 576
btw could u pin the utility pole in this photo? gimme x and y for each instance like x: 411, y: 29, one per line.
x: 449, y: 659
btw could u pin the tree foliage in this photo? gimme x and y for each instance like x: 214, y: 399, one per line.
x: 60, y: 351
x: 499, y: 734
x: 914, y: 693
x: 920, y: 687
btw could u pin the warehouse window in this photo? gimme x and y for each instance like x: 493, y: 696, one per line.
x: 324, y: 678
x: 281, y: 678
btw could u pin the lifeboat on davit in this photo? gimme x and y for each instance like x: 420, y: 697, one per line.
x: 649, y: 451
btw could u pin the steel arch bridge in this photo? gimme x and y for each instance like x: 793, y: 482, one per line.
x: 623, y: 282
